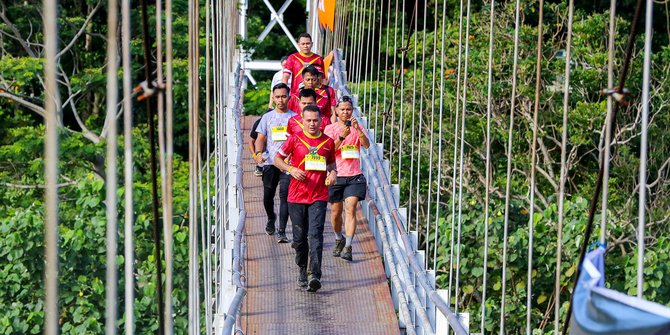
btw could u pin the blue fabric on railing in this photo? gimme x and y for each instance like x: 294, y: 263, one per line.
x: 598, y: 310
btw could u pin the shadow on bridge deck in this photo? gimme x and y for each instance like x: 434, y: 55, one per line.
x: 354, y: 299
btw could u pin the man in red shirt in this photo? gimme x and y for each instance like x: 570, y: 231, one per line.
x: 306, y: 97
x: 297, y: 62
x: 312, y: 168
x: 326, y: 98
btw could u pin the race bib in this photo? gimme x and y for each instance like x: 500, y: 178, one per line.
x: 350, y: 152
x: 279, y: 133
x: 315, y: 163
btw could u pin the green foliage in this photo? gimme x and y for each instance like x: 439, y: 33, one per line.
x: 410, y: 127
x: 82, y: 145
x: 256, y: 99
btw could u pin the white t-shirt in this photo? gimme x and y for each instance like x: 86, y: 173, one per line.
x: 276, y: 79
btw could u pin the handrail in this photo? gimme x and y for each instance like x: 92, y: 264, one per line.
x: 395, y: 279
x: 409, y: 257
x: 238, y: 243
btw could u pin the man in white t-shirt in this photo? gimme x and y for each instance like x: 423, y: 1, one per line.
x: 277, y: 78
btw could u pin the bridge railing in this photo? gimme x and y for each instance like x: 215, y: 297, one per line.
x: 421, y: 307
x: 228, y: 245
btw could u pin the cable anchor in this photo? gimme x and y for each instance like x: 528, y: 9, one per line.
x: 145, y: 91
x: 619, y: 95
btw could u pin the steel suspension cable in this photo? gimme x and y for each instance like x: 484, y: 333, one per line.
x: 379, y: 58
x: 411, y: 166
x: 148, y: 74
x: 393, y: 94
x: 420, y: 120
x: 128, y: 239
x: 533, y: 162
x: 111, y: 240
x: 455, y: 161
x: 367, y: 90
x: 601, y: 172
x: 352, y: 42
x: 354, y: 63
x: 208, y: 227
x: 564, y: 169
x: 439, y: 147
x: 368, y: 105
x: 642, y: 202
x: 461, y: 159
x: 167, y: 198
x: 432, y: 133
x: 386, y: 67
x: 608, y: 132
x: 401, y: 130
x: 162, y: 157
x: 359, y: 54
x: 508, y: 183
x: 52, y: 112
x: 193, y: 84
x: 487, y: 196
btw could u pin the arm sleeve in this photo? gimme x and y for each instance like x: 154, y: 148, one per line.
x: 288, y: 67
x: 290, y: 125
x: 330, y: 132
x: 286, y: 148
x: 331, y: 157
x: 262, y: 126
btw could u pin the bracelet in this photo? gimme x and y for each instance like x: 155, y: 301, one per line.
x: 289, y: 169
x: 342, y: 138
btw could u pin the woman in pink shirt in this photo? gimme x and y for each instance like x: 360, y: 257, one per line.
x: 349, y: 137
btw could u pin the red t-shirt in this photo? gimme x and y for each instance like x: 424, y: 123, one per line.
x: 299, y: 146
x: 325, y: 104
x: 295, y: 124
x: 296, y: 63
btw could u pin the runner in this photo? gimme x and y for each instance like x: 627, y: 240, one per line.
x: 307, y: 96
x: 272, y: 127
x: 312, y: 167
x: 349, y: 137
x: 298, y: 61
x: 325, y: 95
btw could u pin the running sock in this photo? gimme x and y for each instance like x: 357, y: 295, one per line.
x: 338, y: 236
x: 348, y: 241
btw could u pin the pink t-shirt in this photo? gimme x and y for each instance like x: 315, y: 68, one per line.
x: 347, y: 156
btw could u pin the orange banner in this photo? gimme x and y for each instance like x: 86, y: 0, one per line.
x: 327, y: 14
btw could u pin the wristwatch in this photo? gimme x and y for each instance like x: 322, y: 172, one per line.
x: 342, y: 138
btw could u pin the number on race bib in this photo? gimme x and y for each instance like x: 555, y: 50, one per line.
x: 350, y: 152
x: 315, y: 163
x: 279, y: 133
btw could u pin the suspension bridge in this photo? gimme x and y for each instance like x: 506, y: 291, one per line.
x: 409, y: 275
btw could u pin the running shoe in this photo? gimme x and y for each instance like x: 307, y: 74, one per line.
x: 269, y: 229
x: 346, y: 254
x: 281, y: 237
x: 302, y: 277
x: 314, y: 284
x: 339, y: 245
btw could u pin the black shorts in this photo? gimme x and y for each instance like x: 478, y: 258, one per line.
x: 354, y: 186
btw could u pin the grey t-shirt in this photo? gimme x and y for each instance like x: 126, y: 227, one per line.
x: 273, y: 126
